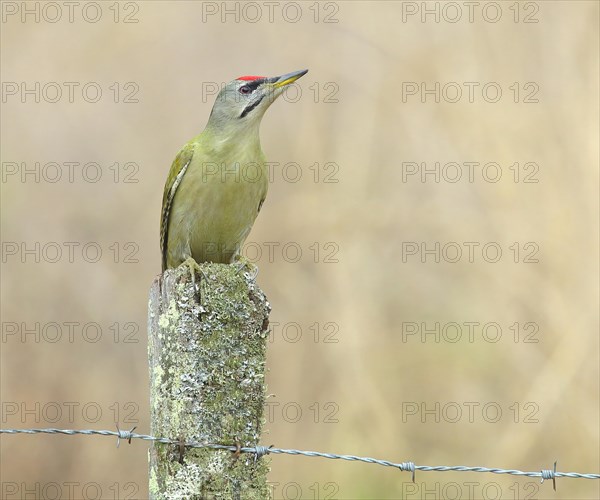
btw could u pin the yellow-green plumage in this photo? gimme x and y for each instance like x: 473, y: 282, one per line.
x: 215, y: 203
x: 218, y: 181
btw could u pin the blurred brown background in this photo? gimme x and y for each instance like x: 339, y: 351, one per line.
x: 355, y: 280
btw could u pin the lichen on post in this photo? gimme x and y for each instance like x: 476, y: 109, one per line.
x: 207, y: 351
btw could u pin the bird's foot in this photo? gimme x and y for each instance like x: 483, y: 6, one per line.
x: 194, y: 268
x: 242, y: 263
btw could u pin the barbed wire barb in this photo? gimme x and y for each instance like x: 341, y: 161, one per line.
x: 259, y: 451
x: 550, y: 474
x: 127, y: 435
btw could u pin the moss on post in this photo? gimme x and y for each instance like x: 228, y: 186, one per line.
x: 207, y: 367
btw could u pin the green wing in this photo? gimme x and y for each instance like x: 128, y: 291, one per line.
x: 178, y: 169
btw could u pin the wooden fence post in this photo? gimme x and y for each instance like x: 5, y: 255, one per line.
x: 207, y: 350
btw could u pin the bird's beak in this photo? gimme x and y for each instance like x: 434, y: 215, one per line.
x: 282, y: 81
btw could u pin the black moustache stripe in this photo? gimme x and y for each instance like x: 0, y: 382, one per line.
x: 250, y: 107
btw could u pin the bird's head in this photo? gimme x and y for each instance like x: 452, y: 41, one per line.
x: 242, y: 102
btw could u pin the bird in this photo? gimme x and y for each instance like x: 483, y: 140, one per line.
x: 218, y: 181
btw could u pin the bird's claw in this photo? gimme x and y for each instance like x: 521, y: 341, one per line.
x: 194, y: 268
x: 241, y: 263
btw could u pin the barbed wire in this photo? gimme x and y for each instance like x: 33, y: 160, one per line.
x: 260, y: 451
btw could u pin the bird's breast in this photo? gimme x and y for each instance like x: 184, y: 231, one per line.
x: 216, y: 204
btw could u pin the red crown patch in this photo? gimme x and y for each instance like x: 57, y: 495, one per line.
x: 249, y: 78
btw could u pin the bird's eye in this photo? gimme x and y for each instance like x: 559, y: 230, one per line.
x: 245, y: 89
